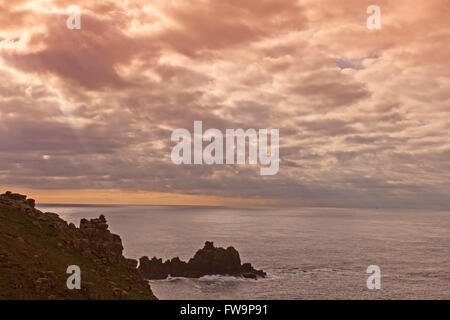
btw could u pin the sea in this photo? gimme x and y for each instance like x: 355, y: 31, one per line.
x: 308, y: 253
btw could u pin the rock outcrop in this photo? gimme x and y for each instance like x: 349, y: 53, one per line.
x: 36, y: 248
x: 207, y: 261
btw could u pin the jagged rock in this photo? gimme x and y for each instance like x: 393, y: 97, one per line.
x: 31, y: 202
x: 211, y: 260
x: 152, y: 269
x: 101, y: 251
x: 14, y: 196
x: 207, y: 261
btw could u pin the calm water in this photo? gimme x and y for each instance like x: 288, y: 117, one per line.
x: 308, y: 253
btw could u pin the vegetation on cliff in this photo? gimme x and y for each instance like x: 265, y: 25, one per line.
x: 36, y: 249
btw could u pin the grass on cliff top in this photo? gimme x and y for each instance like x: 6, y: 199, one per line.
x: 29, y: 248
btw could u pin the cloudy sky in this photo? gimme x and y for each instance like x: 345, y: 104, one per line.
x: 86, y: 115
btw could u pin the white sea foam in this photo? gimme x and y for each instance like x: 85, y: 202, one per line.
x: 208, y: 278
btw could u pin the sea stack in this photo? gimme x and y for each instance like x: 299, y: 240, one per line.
x: 209, y: 260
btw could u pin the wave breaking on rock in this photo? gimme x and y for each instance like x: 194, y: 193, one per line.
x: 207, y: 261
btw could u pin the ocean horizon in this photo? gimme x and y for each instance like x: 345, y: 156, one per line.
x: 314, y: 253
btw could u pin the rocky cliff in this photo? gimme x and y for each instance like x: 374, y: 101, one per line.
x: 36, y: 248
x: 210, y: 260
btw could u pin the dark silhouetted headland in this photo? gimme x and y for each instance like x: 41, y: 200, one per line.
x: 36, y: 249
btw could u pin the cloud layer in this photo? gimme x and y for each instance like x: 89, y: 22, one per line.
x: 363, y: 114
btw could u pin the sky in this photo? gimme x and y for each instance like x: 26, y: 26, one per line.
x: 86, y: 115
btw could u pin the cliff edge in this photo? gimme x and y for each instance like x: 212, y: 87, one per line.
x: 36, y: 249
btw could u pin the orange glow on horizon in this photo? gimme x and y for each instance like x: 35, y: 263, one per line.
x: 115, y: 196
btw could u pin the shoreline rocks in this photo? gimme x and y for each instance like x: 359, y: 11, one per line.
x: 209, y: 260
x: 37, y: 247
